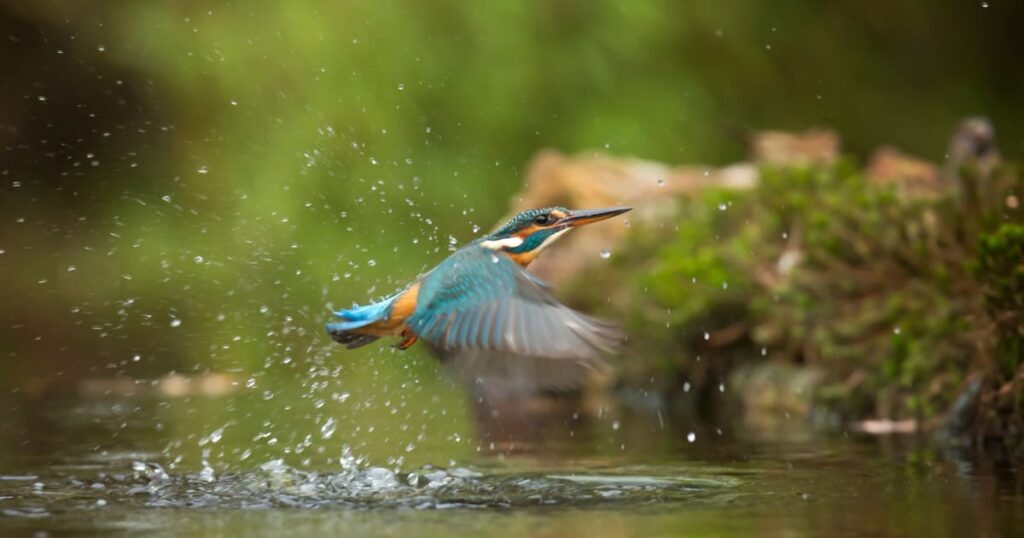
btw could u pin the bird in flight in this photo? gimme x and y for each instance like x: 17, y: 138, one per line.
x: 482, y: 312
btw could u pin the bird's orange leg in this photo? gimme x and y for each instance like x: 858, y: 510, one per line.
x: 408, y: 340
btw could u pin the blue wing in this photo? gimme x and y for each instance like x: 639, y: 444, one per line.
x: 482, y: 310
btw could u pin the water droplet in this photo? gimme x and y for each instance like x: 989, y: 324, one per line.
x: 198, y: 259
x: 615, y: 425
x: 175, y: 323
x: 202, y: 170
x: 661, y: 182
x: 896, y: 330
x: 691, y: 437
x: 327, y: 430
x: 207, y: 474
x: 605, y: 253
x: 707, y: 335
x: 401, y: 87
x: 214, y: 437
x: 984, y: 5
x: 371, y: 263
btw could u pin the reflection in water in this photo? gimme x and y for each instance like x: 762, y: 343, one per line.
x: 523, y: 422
x: 547, y: 465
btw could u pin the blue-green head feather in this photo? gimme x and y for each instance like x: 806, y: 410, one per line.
x: 534, y: 229
x: 527, y: 219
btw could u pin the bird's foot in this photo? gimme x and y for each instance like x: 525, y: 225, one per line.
x: 408, y: 340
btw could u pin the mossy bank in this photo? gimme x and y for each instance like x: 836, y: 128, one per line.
x: 899, y: 300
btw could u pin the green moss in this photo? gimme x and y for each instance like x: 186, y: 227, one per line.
x: 999, y: 268
x: 821, y: 266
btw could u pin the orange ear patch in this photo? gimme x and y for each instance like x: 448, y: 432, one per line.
x: 528, y: 231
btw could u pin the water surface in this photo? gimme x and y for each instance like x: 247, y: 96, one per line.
x: 139, y: 464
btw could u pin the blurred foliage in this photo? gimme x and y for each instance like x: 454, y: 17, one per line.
x: 1000, y: 268
x: 896, y: 297
x: 192, y: 184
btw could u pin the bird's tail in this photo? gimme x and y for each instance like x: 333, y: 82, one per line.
x: 345, y: 331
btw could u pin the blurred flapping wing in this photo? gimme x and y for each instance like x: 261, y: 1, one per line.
x: 495, y: 323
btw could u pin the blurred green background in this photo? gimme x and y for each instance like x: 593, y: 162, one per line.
x: 188, y: 186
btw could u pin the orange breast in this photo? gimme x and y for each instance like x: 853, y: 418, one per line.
x: 405, y: 304
x: 523, y: 258
x: 401, y: 309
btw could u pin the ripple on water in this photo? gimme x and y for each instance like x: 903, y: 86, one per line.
x: 276, y: 485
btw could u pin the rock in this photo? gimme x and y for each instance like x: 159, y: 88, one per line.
x: 884, y: 426
x: 912, y: 175
x: 819, y: 147
x: 591, y: 180
x: 973, y: 143
x: 597, y: 180
x: 960, y: 419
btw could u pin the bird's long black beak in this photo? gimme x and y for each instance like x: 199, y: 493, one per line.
x: 590, y: 216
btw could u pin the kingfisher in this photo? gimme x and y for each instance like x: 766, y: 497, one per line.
x: 481, y: 311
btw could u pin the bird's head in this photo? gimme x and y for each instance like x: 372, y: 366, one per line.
x: 525, y: 235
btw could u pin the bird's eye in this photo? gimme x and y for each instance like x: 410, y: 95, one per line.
x: 542, y: 219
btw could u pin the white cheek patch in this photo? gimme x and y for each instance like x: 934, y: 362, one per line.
x: 498, y: 244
